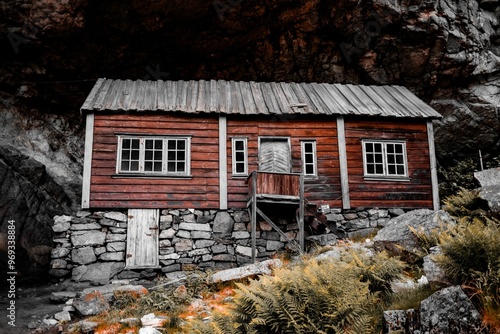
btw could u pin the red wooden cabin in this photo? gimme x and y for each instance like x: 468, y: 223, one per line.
x: 196, y: 144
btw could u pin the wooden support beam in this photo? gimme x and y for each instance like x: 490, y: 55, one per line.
x: 254, y: 214
x: 87, y: 162
x: 432, y: 159
x: 344, y: 174
x: 301, y: 214
x: 222, y: 162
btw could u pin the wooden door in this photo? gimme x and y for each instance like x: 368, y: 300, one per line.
x: 275, y: 155
x: 142, y: 238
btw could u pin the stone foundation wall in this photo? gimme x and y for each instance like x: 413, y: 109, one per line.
x: 91, y: 246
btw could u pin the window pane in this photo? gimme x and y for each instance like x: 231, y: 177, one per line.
x: 390, y: 148
x: 158, y: 144
x: 135, y: 154
x: 308, y: 147
x: 125, y: 155
x: 309, y: 169
x: 391, y: 169
x: 239, y: 145
x: 370, y: 159
x: 390, y: 159
x: 171, y: 155
x: 135, y: 143
x: 134, y: 166
x: 401, y: 170
x: 309, y: 158
x: 378, y: 158
x: 171, y: 145
x: 181, y: 144
x: 157, y: 166
x: 379, y: 169
x: 240, y: 156
x: 181, y: 155
x: 158, y: 155
x: 148, y: 155
x: 180, y: 166
x: 148, y: 166
x: 126, y: 143
x: 377, y: 147
x: 240, y: 167
x: 149, y: 144
x: 125, y: 166
x: 369, y: 147
x: 370, y: 169
x: 171, y: 166
x: 399, y: 159
x: 399, y: 148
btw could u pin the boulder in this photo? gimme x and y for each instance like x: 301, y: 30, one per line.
x: 149, y: 330
x: 449, y: 311
x: 63, y: 316
x: 91, y: 304
x: 397, y: 236
x: 83, y: 255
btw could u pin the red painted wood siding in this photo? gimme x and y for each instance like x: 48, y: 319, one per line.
x: 415, y: 193
x: 322, y: 189
x: 200, y: 191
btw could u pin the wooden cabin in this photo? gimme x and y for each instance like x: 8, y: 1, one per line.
x: 221, y: 144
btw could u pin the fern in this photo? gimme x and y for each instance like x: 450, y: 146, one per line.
x: 312, y: 297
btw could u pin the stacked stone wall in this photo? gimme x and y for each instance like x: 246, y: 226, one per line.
x: 91, y: 246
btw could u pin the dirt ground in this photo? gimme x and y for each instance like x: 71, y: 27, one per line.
x: 32, y: 303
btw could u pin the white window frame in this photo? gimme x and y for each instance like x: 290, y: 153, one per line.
x: 245, y: 156
x: 303, y: 157
x: 385, y: 173
x: 142, y: 148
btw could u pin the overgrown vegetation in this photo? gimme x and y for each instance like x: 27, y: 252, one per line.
x: 471, y: 253
x: 332, y: 296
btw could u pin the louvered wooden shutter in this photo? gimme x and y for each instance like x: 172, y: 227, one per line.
x: 275, y: 156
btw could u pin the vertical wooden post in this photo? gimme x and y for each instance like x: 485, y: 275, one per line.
x: 222, y: 162
x: 432, y: 159
x: 254, y: 214
x: 344, y: 175
x: 87, y: 162
x: 301, y: 214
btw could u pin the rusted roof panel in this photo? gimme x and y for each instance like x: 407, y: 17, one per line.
x: 255, y: 98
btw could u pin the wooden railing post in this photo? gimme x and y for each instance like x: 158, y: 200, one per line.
x: 254, y: 213
x: 301, y: 213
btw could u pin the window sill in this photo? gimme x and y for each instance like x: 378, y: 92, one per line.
x: 150, y: 176
x: 387, y: 178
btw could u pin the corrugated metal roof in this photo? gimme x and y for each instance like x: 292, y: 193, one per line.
x: 251, y: 98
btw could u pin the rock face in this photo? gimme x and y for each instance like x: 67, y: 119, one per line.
x: 397, y: 236
x: 29, y: 199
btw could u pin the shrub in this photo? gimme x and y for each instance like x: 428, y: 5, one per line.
x: 311, y: 297
x: 467, y: 206
x: 471, y: 257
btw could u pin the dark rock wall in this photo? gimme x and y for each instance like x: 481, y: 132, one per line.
x: 446, y: 51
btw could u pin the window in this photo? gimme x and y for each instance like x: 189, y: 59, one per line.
x: 240, y: 156
x: 384, y: 158
x: 153, y: 155
x: 309, y: 166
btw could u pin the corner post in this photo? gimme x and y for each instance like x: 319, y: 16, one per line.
x: 87, y: 162
x: 301, y: 214
x: 432, y: 160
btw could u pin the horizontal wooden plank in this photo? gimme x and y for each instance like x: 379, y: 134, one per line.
x: 154, y: 204
x: 163, y: 117
x: 154, y: 197
x: 154, y: 189
x: 355, y: 203
x: 160, y: 182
